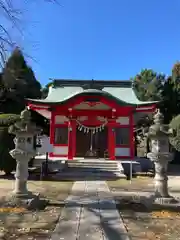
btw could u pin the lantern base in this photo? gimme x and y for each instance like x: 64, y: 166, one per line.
x: 166, y: 200
x: 29, y: 202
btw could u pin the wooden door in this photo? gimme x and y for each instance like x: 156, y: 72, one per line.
x: 83, y: 141
x: 100, y: 141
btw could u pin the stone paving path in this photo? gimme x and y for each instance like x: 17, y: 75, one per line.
x: 90, y: 214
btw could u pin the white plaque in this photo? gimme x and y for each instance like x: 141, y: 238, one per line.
x: 46, y: 147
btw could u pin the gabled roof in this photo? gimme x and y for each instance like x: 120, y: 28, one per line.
x: 64, y: 90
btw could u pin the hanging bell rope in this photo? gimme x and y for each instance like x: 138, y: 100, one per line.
x: 94, y: 130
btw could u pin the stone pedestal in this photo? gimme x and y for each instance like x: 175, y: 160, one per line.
x: 21, y: 177
x: 20, y: 196
x: 21, y: 174
x: 161, y: 178
x: 159, y: 139
x: 25, y: 149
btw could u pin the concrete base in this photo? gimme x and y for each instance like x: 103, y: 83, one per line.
x: 136, y: 167
x: 146, y: 164
x: 165, y: 200
x: 29, y: 201
x: 76, y: 175
x: 59, y: 163
x: 53, y: 165
x: 20, y: 195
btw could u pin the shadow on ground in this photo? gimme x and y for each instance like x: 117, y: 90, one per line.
x: 174, y: 170
x: 85, y: 173
x: 70, y: 174
x: 106, y: 223
x: 77, y: 174
x: 125, y: 202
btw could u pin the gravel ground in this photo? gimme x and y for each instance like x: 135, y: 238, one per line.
x: 149, y: 223
x: 21, y: 224
x: 145, y: 222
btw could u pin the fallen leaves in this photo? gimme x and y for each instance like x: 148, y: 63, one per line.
x: 165, y: 214
x: 12, y: 210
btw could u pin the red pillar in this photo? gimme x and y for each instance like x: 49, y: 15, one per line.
x: 74, y: 137
x: 52, y: 130
x: 111, y: 142
x: 131, y: 126
x: 71, y: 139
x: 52, y: 127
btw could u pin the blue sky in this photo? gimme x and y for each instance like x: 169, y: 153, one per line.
x: 102, y: 39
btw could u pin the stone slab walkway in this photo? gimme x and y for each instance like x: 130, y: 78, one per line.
x: 90, y: 214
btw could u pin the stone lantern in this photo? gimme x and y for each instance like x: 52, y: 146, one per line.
x: 24, y: 130
x: 159, y: 134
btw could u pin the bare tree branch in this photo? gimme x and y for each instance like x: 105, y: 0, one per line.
x: 12, y: 17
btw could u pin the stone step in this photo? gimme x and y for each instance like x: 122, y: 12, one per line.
x: 96, y: 166
x: 92, y: 163
x: 93, y: 170
x: 93, y: 160
x: 89, y: 174
x: 93, y: 166
x: 88, y: 167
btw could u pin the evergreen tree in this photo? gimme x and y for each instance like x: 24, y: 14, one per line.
x: 148, y: 85
x: 171, y: 108
x: 17, y: 82
x: 171, y: 95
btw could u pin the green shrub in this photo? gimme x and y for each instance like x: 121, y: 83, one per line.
x: 7, y: 163
x: 175, y: 139
x: 8, y: 119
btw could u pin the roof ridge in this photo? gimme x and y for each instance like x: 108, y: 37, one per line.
x: 98, y: 83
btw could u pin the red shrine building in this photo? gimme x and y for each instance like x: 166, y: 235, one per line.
x: 91, y: 118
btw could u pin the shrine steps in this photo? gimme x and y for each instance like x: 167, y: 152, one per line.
x: 80, y: 167
x: 101, y: 168
x: 96, y: 164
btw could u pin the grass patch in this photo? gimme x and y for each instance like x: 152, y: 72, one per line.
x: 136, y: 183
x: 52, y: 190
x: 149, y: 222
x: 15, y: 223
